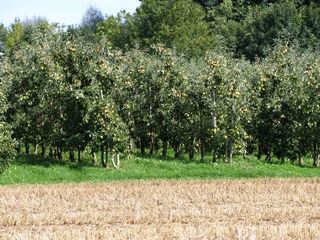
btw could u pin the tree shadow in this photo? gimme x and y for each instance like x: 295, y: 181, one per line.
x: 278, y: 162
x: 80, y: 166
x: 183, y: 158
x: 47, y: 162
x: 37, y: 160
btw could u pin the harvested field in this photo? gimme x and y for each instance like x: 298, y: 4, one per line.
x: 223, y: 209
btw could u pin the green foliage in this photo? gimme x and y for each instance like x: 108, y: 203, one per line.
x: 284, y: 86
x: 89, y: 24
x: 118, y: 31
x: 30, y: 94
x: 7, y: 144
x: 91, y: 18
x: 174, y: 23
x: 228, y: 80
x: 2, y: 37
x: 250, y: 29
x: 311, y: 25
x: 13, y: 36
x: 60, y: 93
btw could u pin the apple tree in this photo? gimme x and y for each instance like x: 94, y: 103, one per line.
x: 7, y: 143
x: 228, y: 87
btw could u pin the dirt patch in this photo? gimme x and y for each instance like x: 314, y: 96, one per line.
x: 242, y: 209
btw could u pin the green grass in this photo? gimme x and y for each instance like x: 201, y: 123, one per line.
x: 35, y: 170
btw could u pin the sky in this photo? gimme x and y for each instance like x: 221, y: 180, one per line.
x: 60, y: 11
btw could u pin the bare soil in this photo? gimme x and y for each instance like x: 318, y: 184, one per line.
x: 223, y: 209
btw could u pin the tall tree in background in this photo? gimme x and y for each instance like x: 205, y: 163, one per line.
x: 208, y: 4
x: 2, y: 37
x: 13, y: 36
x: 265, y: 26
x: 311, y: 25
x: 89, y: 22
x: 118, y: 31
x: 91, y: 18
x: 252, y: 28
x: 177, y: 24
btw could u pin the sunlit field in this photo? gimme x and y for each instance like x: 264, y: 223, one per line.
x: 217, y: 209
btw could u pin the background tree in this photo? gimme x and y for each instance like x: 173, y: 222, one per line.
x: 118, y: 31
x: 176, y: 24
x: 2, y: 37
x: 13, y: 36
x: 251, y: 28
x: 90, y: 19
x: 310, y: 28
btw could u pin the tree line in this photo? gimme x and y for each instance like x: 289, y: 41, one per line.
x: 193, y: 76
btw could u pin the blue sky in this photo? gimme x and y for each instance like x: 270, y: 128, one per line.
x: 61, y: 11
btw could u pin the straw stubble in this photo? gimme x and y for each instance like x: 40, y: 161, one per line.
x: 223, y: 209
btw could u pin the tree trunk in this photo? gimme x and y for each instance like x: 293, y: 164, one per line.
x: 244, y: 146
x: 51, y: 152
x: 71, y: 156
x: 202, y: 149
x: 301, y: 162
x: 131, y: 140
x: 18, y: 149
x: 259, y: 151
x: 268, y: 157
x: 316, y: 161
x: 215, y: 151
x: 227, y: 142
x: 43, y: 150
x: 202, y: 138
x: 94, y: 158
x: 115, y: 165
x: 315, y: 154
x: 35, y: 148
x: 229, y: 150
x: 214, y: 154
x: 214, y: 124
x: 230, y: 138
x: 283, y: 151
x: 79, y: 156
x: 177, y: 144
x: 191, y: 154
x: 59, y: 152
x: 132, y: 145
x: 152, y: 145
x: 177, y: 150
x: 164, y: 148
x: 27, y: 146
x: 244, y: 154
x: 142, y: 148
x: 103, y: 163
x: 107, y: 156
x: 190, y: 148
